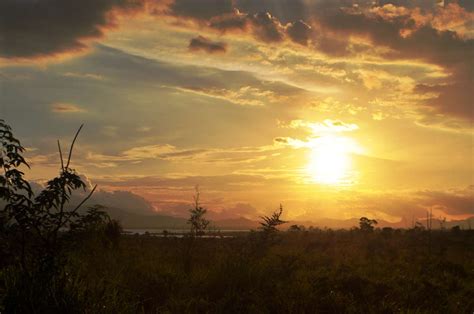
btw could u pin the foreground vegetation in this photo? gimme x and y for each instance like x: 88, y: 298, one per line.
x: 290, y: 272
x: 57, y: 258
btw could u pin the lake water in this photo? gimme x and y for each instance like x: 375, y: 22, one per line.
x: 179, y: 233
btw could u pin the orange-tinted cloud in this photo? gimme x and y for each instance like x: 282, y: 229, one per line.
x: 445, y: 48
x: 66, y: 108
x: 405, y: 30
x: 407, y: 205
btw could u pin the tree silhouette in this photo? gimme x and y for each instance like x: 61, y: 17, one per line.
x: 296, y: 228
x: 32, y: 227
x: 270, y: 223
x: 366, y: 224
x: 197, y: 221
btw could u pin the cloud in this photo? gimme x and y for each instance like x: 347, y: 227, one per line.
x: 123, y: 200
x: 149, y: 151
x: 230, y: 22
x: 66, y: 108
x: 267, y: 28
x: 392, y: 30
x: 454, y: 202
x: 32, y: 29
x: 299, y: 32
x: 120, y: 199
x: 327, y: 126
x: 410, y: 37
x: 186, y: 183
x: 140, y: 153
x: 205, y: 44
x: 87, y: 76
x: 226, y: 17
x: 202, y: 9
x: 222, y: 194
x: 235, y: 211
x: 376, y: 79
x: 171, y: 153
x: 244, y: 96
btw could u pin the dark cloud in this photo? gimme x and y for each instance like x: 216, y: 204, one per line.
x: 124, y: 200
x: 202, y: 9
x: 441, y: 47
x: 299, y: 32
x: 424, y: 4
x: 262, y: 25
x: 466, y: 4
x: 428, y: 5
x: 454, y: 99
x: 283, y: 9
x: 334, y: 46
x: 201, y: 43
x: 30, y: 28
x: 267, y: 28
x: 223, y: 16
x: 229, y: 22
x: 281, y: 140
x: 459, y: 202
x: 407, y: 33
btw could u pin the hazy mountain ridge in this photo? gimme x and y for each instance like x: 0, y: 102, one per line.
x: 131, y: 220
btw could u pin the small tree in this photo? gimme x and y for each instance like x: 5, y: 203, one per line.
x: 197, y: 221
x: 270, y: 223
x: 296, y: 228
x: 32, y: 227
x: 366, y: 224
x: 442, y: 223
x: 35, y: 230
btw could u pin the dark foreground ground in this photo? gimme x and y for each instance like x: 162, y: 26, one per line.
x: 386, y: 271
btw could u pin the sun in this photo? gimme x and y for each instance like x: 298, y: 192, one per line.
x: 330, y: 161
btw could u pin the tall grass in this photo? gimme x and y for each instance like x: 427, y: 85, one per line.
x: 298, y: 272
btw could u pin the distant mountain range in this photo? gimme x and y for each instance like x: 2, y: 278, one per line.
x: 131, y: 220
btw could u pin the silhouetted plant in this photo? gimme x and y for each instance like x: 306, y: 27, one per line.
x: 418, y: 226
x: 41, y: 218
x: 270, y: 223
x: 96, y: 222
x: 366, y: 224
x: 442, y: 223
x: 197, y: 221
x: 15, y: 191
x: 34, y: 229
x: 296, y: 228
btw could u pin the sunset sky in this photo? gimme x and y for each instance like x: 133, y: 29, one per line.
x: 334, y: 108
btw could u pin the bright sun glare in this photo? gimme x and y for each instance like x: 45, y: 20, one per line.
x: 330, y: 162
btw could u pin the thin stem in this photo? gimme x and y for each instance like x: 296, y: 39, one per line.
x: 61, y: 156
x: 79, y: 205
x: 85, y: 199
x: 72, y: 146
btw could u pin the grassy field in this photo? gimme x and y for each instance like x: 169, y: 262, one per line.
x: 318, y: 271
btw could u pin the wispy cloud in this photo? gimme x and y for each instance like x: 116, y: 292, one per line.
x: 62, y: 107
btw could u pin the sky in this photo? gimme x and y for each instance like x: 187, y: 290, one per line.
x: 333, y: 108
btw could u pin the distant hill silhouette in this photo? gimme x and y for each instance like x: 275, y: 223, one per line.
x: 131, y: 220
x: 140, y: 221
